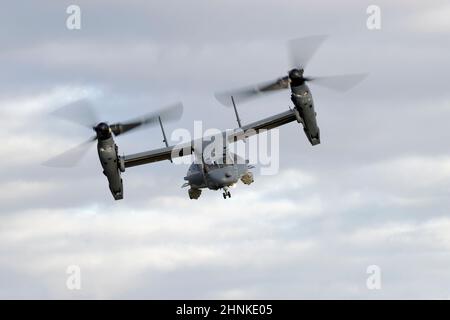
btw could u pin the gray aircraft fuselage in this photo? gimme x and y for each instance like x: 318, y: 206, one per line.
x: 216, y: 176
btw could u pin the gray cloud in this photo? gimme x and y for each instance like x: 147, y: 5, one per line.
x: 374, y: 192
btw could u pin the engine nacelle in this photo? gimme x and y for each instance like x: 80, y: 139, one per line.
x: 305, y: 113
x: 107, y: 153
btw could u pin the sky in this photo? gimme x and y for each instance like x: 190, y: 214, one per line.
x: 375, y: 192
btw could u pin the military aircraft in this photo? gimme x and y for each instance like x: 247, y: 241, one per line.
x: 301, y: 51
x: 223, y: 170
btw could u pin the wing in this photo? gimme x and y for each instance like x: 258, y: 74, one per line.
x: 167, y: 153
x: 181, y: 150
x: 264, y: 124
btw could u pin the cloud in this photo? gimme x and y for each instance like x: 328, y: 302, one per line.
x: 432, y: 20
x: 374, y: 192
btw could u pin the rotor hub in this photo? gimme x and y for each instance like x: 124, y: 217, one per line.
x: 103, y: 131
x: 296, y: 74
x: 296, y: 77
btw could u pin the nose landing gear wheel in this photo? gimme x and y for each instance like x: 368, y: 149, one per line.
x: 226, y: 193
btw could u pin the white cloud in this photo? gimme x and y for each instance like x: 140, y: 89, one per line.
x: 432, y: 20
x: 26, y: 135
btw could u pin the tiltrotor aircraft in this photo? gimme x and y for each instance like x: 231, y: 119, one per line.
x: 226, y: 168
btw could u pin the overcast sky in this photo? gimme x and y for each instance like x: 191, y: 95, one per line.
x: 376, y: 191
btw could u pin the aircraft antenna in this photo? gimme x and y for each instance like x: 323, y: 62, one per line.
x: 236, y: 112
x: 163, y: 133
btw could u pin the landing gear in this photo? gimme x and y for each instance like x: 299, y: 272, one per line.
x: 226, y: 193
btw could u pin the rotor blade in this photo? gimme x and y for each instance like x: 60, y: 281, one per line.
x: 71, y: 157
x: 169, y: 113
x: 340, y: 82
x: 80, y: 112
x: 301, y: 50
x: 247, y: 93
